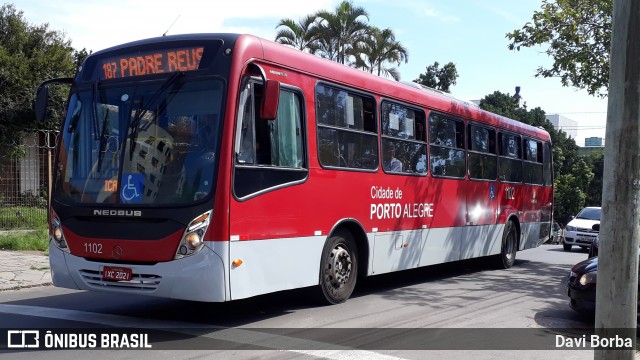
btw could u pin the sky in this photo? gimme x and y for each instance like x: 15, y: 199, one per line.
x: 469, y: 33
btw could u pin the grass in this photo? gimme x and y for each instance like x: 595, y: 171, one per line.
x: 24, y: 218
x: 37, y: 240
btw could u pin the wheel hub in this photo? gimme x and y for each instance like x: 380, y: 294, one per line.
x: 340, y: 268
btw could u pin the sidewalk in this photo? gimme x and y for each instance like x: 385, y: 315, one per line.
x: 22, y: 270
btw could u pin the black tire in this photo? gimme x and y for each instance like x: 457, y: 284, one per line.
x: 338, y: 268
x: 566, y: 247
x: 507, y: 255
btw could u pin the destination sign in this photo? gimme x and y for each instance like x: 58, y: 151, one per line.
x: 152, y: 62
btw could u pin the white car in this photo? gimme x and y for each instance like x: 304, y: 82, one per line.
x: 579, y: 231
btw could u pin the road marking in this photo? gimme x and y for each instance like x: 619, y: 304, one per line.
x: 245, y: 336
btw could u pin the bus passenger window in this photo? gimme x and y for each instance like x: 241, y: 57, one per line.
x: 483, y: 161
x: 347, y: 135
x: 403, y: 147
x: 509, y: 163
x: 532, y: 166
x: 447, y: 154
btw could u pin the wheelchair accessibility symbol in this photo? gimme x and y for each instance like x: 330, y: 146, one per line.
x: 133, y: 188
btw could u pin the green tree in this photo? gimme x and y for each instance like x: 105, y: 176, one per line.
x: 29, y: 54
x: 577, y: 34
x: 379, y: 48
x: 439, y: 78
x: 341, y: 31
x: 594, y: 191
x: 300, y: 35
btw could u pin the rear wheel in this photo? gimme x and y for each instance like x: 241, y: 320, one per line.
x: 338, y: 268
x: 509, y: 246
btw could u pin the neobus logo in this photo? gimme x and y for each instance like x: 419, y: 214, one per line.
x: 117, y: 212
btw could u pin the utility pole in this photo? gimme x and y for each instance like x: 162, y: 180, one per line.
x: 617, y: 287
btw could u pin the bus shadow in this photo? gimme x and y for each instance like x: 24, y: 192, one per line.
x: 176, y: 323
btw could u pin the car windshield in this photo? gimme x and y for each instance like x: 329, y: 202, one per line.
x: 148, y: 143
x: 589, y: 214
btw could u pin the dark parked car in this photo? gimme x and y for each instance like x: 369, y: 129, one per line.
x: 581, y: 285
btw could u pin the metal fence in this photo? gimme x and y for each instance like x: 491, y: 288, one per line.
x: 24, y: 181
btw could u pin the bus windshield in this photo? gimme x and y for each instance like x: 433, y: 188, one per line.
x: 143, y: 143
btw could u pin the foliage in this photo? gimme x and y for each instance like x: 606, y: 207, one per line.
x: 36, y: 240
x: 22, y: 217
x: 344, y: 35
x: 380, y: 47
x: 29, y: 54
x: 342, y: 30
x: 300, y: 35
x: 594, y: 191
x: 573, y: 175
x: 578, y: 36
x: 439, y: 78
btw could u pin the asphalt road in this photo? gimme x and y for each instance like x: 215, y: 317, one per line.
x: 463, y: 295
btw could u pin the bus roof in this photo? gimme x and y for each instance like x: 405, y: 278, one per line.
x: 350, y: 77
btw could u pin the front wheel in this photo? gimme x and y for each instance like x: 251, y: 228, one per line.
x: 566, y: 247
x: 338, y: 268
x: 507, y: 255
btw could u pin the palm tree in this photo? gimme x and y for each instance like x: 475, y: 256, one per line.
x: 341, y: 31
x: 381, y: 47
x: 300, y: 35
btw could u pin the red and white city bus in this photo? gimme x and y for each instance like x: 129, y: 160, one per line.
x: 216, y: 167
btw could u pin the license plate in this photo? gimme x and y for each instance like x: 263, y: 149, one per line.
x: 112, y: 273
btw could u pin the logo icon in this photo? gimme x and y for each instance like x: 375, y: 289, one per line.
x: 117, y: 252
x: 132, y: 190
x: 492, y: 192
x: 21, y: 339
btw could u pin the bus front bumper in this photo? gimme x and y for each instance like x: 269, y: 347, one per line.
x: 200, y: 277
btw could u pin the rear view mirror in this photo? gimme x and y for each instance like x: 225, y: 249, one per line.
x: 42, y: 101
x: 42, y: 97
x: 269, y: 106
x: 596, y: 227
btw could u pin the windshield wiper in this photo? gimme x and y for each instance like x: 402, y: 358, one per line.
x: 99, y: 129
x: 94, y: 109
x: 103, y: 139
x: 144, y: 108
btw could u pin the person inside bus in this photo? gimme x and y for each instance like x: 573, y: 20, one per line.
x: 390, y: 162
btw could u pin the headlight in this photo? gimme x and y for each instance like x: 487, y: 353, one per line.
x: 589, y: 278
x: 57, y: 234
x: 570, y: 228
x: 193, y: 237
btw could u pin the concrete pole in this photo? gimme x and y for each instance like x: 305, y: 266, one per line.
x: 617, y: 287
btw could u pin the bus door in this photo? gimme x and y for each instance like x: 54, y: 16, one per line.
x: 269, y: 161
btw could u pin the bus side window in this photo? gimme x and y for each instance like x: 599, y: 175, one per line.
x: 246, y: 115
x: 271, y: 152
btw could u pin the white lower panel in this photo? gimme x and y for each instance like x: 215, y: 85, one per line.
x: 442, y: 245
x: 432, y: 246
x: 397, y: 251
x: 481, y: 240
x: 274, y: 265
x: 531, y: 235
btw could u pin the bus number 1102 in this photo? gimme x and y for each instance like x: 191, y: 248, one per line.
x: 93, y: 248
